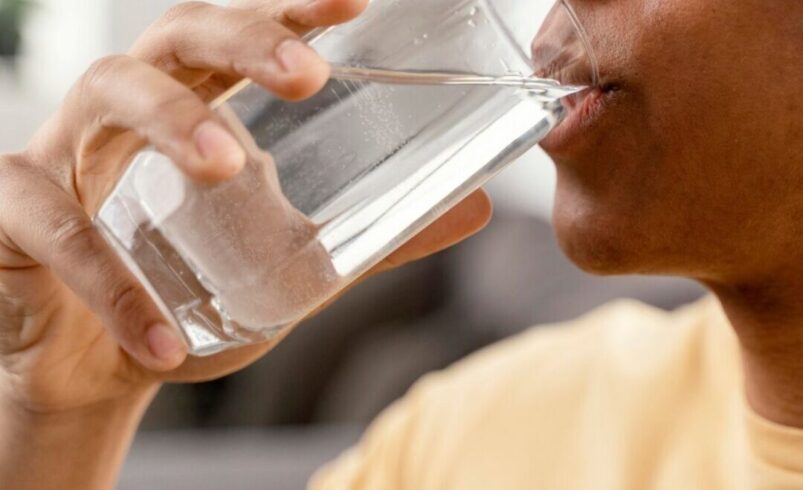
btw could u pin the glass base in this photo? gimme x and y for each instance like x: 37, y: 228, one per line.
x: 171, y: 282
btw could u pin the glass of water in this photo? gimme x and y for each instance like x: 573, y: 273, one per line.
x: 428, y: 100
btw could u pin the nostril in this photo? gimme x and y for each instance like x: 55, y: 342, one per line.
x: 610, y: 87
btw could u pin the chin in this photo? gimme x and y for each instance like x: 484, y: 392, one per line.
x: 599, y: 241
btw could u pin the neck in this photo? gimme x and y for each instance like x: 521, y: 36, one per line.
x: 768, y: 319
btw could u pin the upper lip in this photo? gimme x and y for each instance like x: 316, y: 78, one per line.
x: 602, y: 89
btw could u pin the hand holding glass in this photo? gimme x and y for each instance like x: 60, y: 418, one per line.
x: 428, y: 100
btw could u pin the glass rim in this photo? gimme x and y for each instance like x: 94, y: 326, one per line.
x: 581, y: 32
x: 583, y: 36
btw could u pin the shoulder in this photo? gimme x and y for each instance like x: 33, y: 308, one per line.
x: 623, y: 335
x: 537, y: 401
x: 614, y: 365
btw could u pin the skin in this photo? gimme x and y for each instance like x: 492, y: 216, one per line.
x: 675, y: 166
x: 83, y: 349
x: 691, y: 164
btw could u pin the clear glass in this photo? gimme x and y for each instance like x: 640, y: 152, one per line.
x: 428, y: 100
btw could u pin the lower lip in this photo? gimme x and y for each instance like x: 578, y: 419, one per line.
x: 581, y: 116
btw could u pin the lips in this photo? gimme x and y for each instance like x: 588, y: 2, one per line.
x: 584, y: 110
x: 561, y: 51
x: 571, y: 67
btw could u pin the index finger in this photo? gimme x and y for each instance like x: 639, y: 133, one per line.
x: 300, y: 16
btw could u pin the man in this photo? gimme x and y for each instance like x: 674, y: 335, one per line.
x: 687, y: 160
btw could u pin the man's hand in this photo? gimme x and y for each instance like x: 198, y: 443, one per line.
x: 76, y: 328
x: 82, y: 346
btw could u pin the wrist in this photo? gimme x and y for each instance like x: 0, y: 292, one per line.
x: 78, y: 448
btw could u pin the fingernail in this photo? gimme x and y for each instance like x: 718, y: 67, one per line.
x: 295, y: 56
x: 217, y: 145
x: 165, y: 344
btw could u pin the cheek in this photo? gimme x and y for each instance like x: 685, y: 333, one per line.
x: 627, y: 201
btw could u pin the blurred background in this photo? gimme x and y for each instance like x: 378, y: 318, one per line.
x: 271, y: 425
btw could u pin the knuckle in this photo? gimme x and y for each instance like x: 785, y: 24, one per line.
x: 167, y: 35
x: 181, y: 11
x: 73, y: 234
x: 169, y: 105
x: 262, y: 27
x: 95, y: 77
x: 176, y: 115
x: 125, y: 300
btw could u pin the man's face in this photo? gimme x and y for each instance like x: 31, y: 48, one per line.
x: 690, y: 160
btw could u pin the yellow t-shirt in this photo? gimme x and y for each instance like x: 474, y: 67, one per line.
x: 627, y: 397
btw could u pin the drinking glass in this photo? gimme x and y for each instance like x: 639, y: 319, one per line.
x: 428, y: 100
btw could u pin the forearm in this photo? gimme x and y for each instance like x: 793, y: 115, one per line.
x: 81, y: 449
